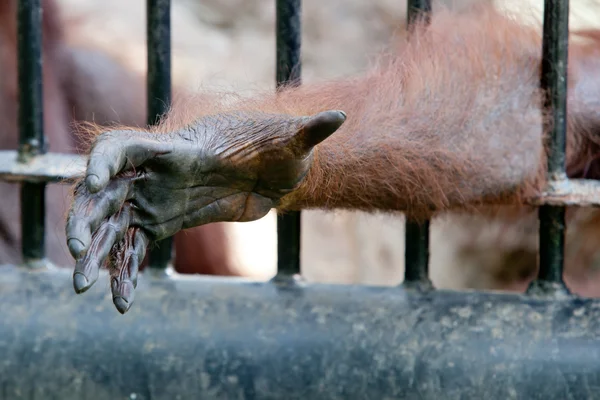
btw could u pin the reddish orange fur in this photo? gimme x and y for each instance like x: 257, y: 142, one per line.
x: 413, y: 138
x: 81, y: 85
x: 417, y: 137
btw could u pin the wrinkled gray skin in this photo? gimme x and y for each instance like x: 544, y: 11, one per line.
x: 142, y: 187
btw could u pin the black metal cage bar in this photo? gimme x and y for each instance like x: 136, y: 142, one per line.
x: 158, y: 34
x: 416, y: 253
x: 288, y: 72
x: 418, y: 8
x: 416, y: 242
x: 554, y: 81
x: 31, y: 126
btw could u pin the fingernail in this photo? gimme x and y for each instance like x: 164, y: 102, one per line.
x: 76, y: 247
x: 80, y: 283
x: 114, y: 284
x: 92, y: 182
x: 121, y: 304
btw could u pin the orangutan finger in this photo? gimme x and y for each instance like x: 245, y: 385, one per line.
x: 89, y: 210
x: 117, y: 151
x: 131, y: 252
x: 111, y: 231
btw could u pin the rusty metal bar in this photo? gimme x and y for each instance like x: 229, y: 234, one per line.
x: 554, y: 81
x: 31, y: 127
x: 416, y: 250
x: 158, y: 36
x: 288, y: 72
x: 217, y: 338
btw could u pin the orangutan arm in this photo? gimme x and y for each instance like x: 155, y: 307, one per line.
x: 450, y: 119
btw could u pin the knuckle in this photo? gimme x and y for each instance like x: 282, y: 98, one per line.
x: 107, y: 136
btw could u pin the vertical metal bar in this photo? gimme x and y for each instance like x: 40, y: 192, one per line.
x: 31, y: 126
x: 158, y: 33
x: 418, y: 8
x: 288, y: 41
x: 416, y: 252
x: 554, y: 81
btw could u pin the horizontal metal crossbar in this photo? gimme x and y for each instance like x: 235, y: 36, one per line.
x: 219, y: 338
x: 570, y: 192
x: 58, y: 167
x: 48, y: 167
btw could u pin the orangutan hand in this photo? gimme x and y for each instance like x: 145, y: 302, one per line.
x: 142, y: 187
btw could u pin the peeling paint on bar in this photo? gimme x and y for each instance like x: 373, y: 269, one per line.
x: 570, y: 192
